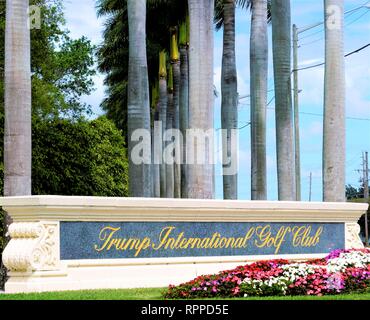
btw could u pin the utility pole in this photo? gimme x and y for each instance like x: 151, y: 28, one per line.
x: 366, y: 192
x: 297, y: 151
x: 310, y: 194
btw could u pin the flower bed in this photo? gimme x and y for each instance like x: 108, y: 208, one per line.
x: 342, y: 271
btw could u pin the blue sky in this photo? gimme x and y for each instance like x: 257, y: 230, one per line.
x: 82, y: 20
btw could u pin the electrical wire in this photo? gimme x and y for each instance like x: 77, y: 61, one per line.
x: 346, y: 15
x: 323, y: 63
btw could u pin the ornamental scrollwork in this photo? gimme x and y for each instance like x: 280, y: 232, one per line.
x: 353, y: 240
x: 34, y: 246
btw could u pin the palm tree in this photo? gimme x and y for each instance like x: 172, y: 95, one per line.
x: 156, y: 137
x: 201, y: 100
x: 162, y: 105
x: 170, y: 171
x: 258, y: 65
x: 281, y: 40
x: 334, y: 104
x: 175, y: 62
x: 258, y: 90
x: 229, y: 91
x: 17, y: 135
x: 184, y: 98
x: 138, y: 113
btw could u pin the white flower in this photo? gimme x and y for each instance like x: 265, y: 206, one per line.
x: 356, y: 259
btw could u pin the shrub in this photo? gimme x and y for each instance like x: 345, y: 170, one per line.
x: 86, y: 158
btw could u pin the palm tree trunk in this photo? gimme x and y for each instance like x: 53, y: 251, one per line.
x: 184, y: 113
x: 201, y: 182
x: 162, y: 105
x: 258, y: 71
x: 156, y: 154
x: 17, y: 136
x: 184, y: 99
x: 334, y: 145
x: 17, y: 108
x: 140, y: 177
x: 229, y: 105
x: 163, y: 121
x: 170, y: 171
x: 176, y: 125
x: 281, y: 40
x: 175, y: 61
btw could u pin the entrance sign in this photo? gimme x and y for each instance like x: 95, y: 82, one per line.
x: 73, y: 243
x: 101, y: 240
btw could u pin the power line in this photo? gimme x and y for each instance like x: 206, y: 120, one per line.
x: 312, y: 34
x: 321, y: 115
x: 322, y: 38
x: 242, y: 127
x: 346, y: 15
x: 358, y: 50
x: 323, y: 63
x: 358, y: 18
x: 311, y: 42
x: 248, y: 95
x: 272, y: 99
x: 309, y: 113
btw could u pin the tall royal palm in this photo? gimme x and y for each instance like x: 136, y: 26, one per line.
x: 17, y: 139
x: 184, y: 99
x: 175, y: 62
x: 334, y: 104
x: 138, y: 106
x: 281, y: 45
x: 162, y: 105
x: 258, y: 90
x: 201, y: 99
x: 168, y: 154
x: 229, y: 105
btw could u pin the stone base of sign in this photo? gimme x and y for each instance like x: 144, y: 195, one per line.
x: 33, y: 254
x: 83, y: 275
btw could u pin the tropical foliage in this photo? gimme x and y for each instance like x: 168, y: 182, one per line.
x: 113, y: 53
x: 71, y: 156
x: 77, y: 158
x: 87, y: 158
x: 61, y: 67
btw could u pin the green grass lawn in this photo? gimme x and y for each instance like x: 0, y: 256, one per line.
x: 150, y: 294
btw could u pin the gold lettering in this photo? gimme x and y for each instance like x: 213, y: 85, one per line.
x: 163, y: 237
x: 302, y: 236
x: 205, y: 242
x: 106, y: 235
x: 316, y: 238
x: 230, y: 243
x: 212, y: 242
x: 280, y: 237
x: 248, y: 236
x: 264, y: 237
x: 239, y: 243
x: 145, y: 244
x: 297, y: 235
x: 179, y: 238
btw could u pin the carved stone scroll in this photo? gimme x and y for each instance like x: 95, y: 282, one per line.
x: 353, y: 240
x: 34, y: 246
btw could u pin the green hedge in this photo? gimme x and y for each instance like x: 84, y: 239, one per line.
x: 86, y: 158
x: 79, y: 158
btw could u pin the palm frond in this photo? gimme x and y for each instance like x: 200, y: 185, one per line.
x: 245, y: 4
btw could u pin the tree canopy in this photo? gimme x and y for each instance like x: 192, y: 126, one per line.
x: 113, y: 52
x: 62, y: 67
